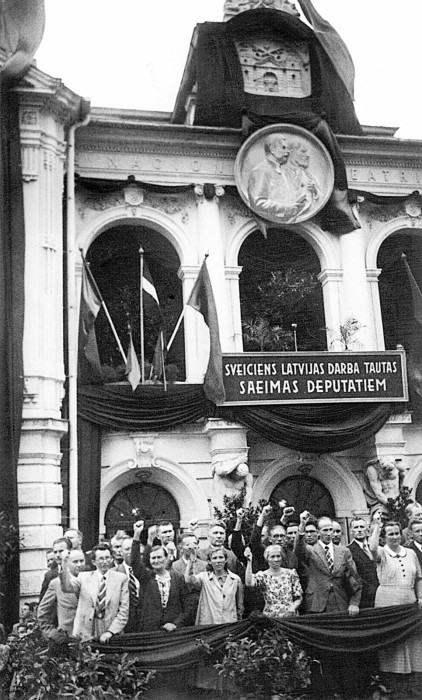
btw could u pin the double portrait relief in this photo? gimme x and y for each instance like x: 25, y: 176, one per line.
x: 284, y: 174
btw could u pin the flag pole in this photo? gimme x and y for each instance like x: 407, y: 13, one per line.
x: 103, y: 304
x: 141, y: 312
x: 162, y: 360
x: 180, y: 319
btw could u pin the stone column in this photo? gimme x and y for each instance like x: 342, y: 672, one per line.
x: 210, y: 240
x: 332, y: 294
x: 375, y: 307
x: 46, y: 107
x: 357, y: 303
x: 235, y: 342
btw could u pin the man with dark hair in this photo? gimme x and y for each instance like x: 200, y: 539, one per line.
x: 103, y: 597
x: 333, y: 586
x: 163, y: 533
x: 415, y: 529
x: 62, y: 544
x: 216, y: 539
x: 135, y: 591
x: 365, y: 565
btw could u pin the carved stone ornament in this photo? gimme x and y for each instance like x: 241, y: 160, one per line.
x: 276, y: 68
x: 235, y: 7
x: 134, y: 195
x: 284, y: 174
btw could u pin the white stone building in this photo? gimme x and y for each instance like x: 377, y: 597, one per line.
x: 98, y: 174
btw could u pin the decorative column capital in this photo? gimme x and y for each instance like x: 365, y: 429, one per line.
x: 209, y: 192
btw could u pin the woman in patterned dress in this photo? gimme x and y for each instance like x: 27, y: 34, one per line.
x: 400, y: 577
x: 281, y: 587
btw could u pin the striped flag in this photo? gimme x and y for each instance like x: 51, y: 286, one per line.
x: 88, y: 358
x: 133, y: 370
x: 202, y: 300
x: 149, y: 289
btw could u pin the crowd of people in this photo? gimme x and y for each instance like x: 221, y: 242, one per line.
x: 285, y: 567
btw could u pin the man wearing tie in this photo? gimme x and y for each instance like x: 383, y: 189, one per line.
x: 135, y: 598
x: 365, y: 565
x: 103, y: 597
x: 333, y: 586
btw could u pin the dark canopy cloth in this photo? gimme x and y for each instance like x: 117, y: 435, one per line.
x: 372, y: 629
x: 221, y: 100
x: 12, y: 267
x: 318, y: 427
x: 313, y: 428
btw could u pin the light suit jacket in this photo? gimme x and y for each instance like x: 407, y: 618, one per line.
x: 329, y: 591
x: 57, y: 609
x: 116, y: 614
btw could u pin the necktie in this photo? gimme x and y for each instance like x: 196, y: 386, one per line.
x: 101, y: 597
x: 133, y: 589
x: 329, y: 558
x: 367, y: 550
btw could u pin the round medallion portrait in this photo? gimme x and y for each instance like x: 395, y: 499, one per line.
x: 284, y: 174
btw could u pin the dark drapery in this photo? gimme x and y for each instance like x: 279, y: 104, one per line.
x: 312, y: 428
x: 329, y: 427
x: 315, y: 428
x: 89, y: 480
x: 372, y: 629
x: 220, y: 96
x: 12, y: 261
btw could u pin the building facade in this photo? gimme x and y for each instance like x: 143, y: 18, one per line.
x: 105, y: 182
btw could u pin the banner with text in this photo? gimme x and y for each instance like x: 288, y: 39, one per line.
x: 314, y: 377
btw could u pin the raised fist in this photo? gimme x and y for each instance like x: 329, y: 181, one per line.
x: 138, y: 526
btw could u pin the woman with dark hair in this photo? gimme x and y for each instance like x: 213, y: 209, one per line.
x: 281, y: 587
x: 221, y: 597
x: 400, y: 577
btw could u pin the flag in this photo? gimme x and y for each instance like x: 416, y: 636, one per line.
x: 148, y: 287
x: 133, y: 370
x: 333, y: 45
x: 415, y: 352
x: 89, y: 369
x: 202, y: 299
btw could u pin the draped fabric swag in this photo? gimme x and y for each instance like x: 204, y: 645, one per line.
x: 372, y: 629
x: 317, y: 428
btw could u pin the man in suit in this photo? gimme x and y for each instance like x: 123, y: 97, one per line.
x: 135, y: 593
x: 216, y: 539
x: 415, y: 528
x: 367, y: 664
x: 56, y: 612
x: 163, y: 590
x: 62, y: 544
x: 162, y: 534
x: 364, y: 562
x: 103, y: 597
x: 333, y: 586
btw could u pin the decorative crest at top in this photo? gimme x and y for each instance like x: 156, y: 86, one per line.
x: 235, y: 7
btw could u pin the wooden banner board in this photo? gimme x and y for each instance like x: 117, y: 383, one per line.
x: 314, y: 377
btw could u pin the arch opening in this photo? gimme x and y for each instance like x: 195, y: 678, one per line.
x: 114, y: 260
x: 280, y: 293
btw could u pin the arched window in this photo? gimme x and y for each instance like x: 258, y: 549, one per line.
x: 143, y: 501
x: 305, y: 493
x: 394, y: 286
x: 279, y: 287
x: 115, y: 263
